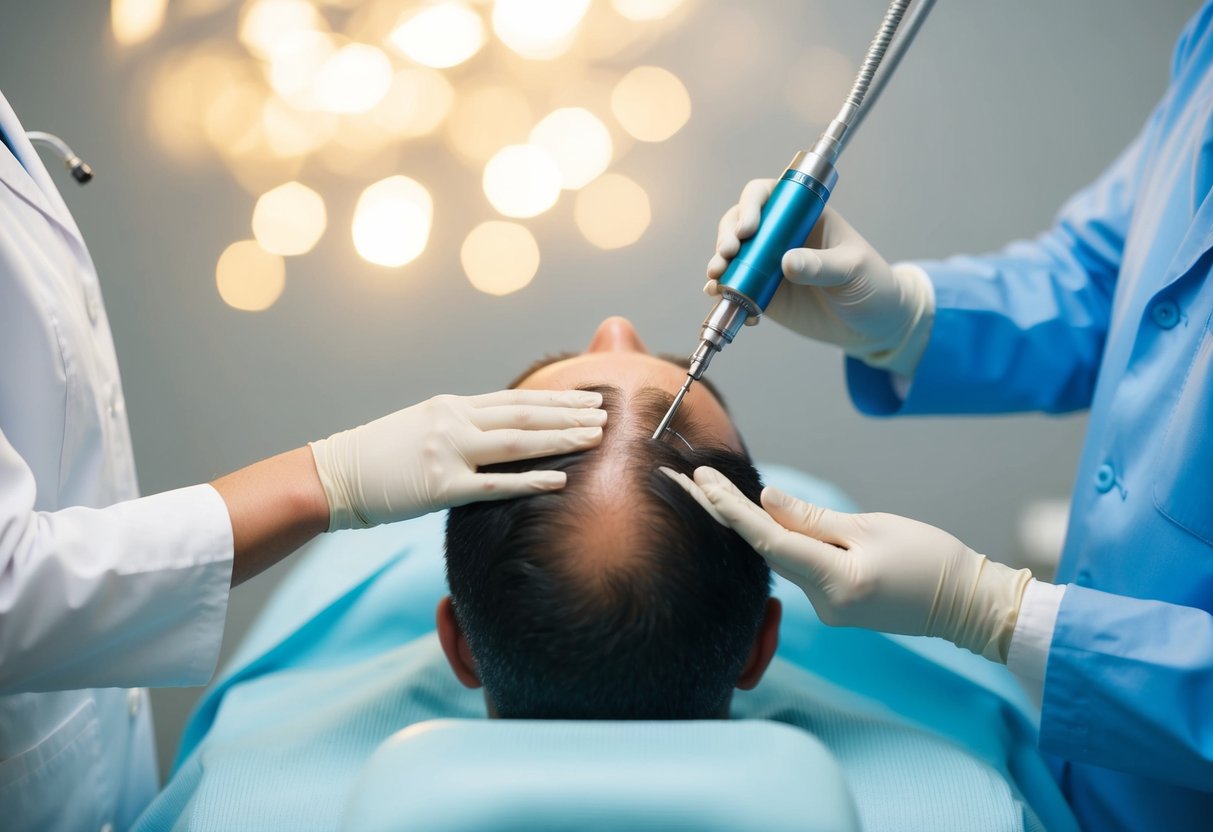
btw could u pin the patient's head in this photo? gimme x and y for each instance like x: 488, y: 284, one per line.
x: 617, y: 597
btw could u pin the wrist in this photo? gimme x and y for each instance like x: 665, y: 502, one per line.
x: 339, y: 498
x: 918, y: 305
x: 997, y: 598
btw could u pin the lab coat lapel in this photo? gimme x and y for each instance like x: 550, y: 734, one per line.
x: 32, y: 182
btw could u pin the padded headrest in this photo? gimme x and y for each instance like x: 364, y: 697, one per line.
x: 498, y: 775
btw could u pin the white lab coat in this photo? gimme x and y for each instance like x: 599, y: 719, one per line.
x: 98, y: 589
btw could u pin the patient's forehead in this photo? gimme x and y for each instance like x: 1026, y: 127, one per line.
x: 645, y: 383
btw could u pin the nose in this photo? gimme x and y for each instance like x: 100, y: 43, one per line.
x: 616, y: 334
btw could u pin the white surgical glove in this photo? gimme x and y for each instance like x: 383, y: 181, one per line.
x: 425, y: 457
x: 839, y: 289
x: 877, y: 571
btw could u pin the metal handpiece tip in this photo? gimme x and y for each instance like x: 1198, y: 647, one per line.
x: 669, y: 416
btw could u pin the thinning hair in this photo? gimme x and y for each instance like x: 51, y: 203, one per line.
x: 617, y: 597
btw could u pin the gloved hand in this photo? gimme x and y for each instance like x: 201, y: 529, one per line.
x: 424, y: 458
x: 839, y: 289
x: 877, y: 571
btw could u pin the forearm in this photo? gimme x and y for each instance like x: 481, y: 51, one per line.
x: 275, y: 505
x: 1128, y: 687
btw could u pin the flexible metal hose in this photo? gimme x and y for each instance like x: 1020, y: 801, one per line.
x: 871, y: 61
x: 870, y: 81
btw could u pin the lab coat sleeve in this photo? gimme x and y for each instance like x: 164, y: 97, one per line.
x: 131, y: 595
x: 1022, y: 329
x: 1129, y: 685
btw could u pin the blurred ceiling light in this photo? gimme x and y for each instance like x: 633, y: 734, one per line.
x: 184, y: 89
x: 651, y: 103
x: 499, y: 257
x: 290, y: 133
x: 440, y: 36
x: 538, y: 29
x: 416, y: 104
x: 249, y: 277
x: 353, y: 80
x: 612, y: 211
x: 578, y: 142
x: 832, y: 75
x: 290, y: 219
x: 199, y: 8
x: 265, y: 23
x: 522, y: 180
x: 295, y: 64
x: 487, y: 118
x: 643, y: 10
x: 392, y: 221
x: 134, y: 21
x: 232, y: 123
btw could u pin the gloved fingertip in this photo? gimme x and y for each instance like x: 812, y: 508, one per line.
x: 707, y: 476
x: 711, y: 288
x: 772, y: 496
x: 801, y: 265
x: 551, y: 480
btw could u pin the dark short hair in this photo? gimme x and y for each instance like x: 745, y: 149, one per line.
x: 661, y: 631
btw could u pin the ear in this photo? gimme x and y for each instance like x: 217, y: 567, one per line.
x: 455, y: 644
x: 764, y: 646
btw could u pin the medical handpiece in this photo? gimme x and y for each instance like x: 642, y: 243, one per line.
x: 795, y: 205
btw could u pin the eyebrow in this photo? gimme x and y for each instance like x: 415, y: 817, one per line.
x: 553, y: 358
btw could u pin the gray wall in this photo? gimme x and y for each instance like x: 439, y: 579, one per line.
x: 1000, y: 112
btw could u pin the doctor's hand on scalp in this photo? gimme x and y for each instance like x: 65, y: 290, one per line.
x: 877, y: 571
x: 425, y: 458
x: 838, y: 289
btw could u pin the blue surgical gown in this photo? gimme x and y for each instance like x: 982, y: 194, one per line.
x: 1110, y: 310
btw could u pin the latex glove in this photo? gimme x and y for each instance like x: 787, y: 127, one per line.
x: 425, y: 457
x: 839, y: 289
x: 877, y: 571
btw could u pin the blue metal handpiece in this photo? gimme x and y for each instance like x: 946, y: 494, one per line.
x: 791, y: 212
x: 755, y: 273
x: 793, y: 208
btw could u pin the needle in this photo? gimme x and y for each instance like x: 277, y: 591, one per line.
x: 669, y: 416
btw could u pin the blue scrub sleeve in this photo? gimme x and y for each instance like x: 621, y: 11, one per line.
x: 1022, y: 329
x: 1129, y: 686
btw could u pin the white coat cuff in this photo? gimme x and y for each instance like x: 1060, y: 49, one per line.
x: 205, y: 572
x: 1028, y: 656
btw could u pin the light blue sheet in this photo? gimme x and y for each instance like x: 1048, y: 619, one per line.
x: 338, y: 662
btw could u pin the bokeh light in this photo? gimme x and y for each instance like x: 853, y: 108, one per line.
x: 645, y: 9
x: 134, y: 21
x: 486, y: 119
x: 538, y: 29
x: 417, y: 103
x: 290, y: 133
x: 499, y: 257
x: 522, y: 180
x: 295, y: 64
x: 392, y: 221
x: 612, y: 211
x: 579, y: 143
x: 266, y: 23
x: 183, y: 92
x: 232, y: 122
x: 534, y: 96
x: 651, y: 103
x: 353, y: 80
x: 249, y: 278
x: 290, y: 219
x: 440, y: 36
